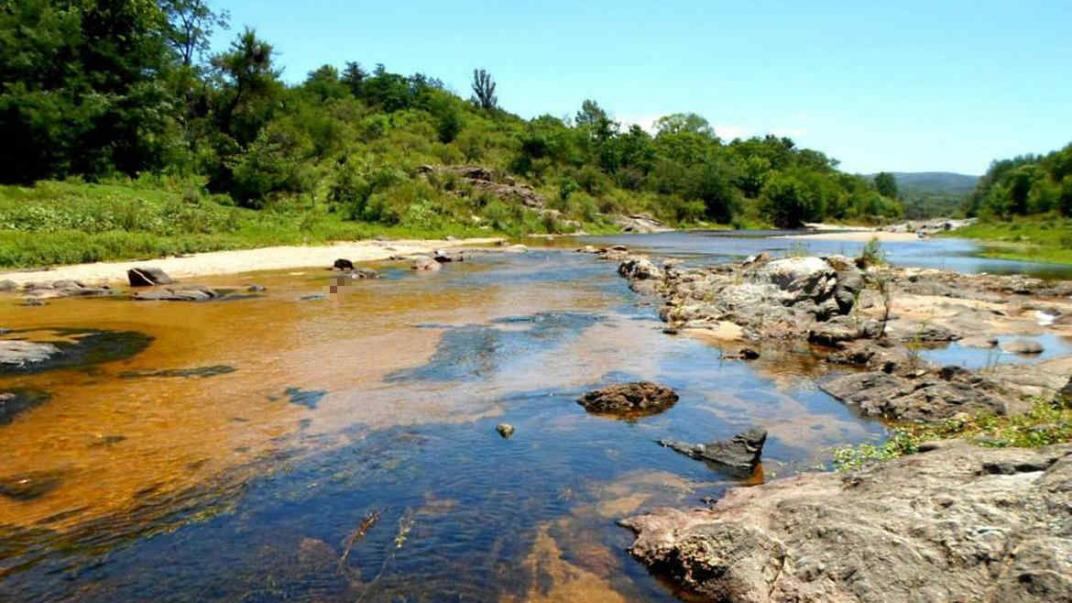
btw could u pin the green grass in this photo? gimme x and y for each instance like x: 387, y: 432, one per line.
x: 1046, y: 423
x: 1045, y: 238
x: 72, y: 222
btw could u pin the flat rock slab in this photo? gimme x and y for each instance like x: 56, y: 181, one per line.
x: 956, y: 523
x: 927, y: 397
x: 629, y: 399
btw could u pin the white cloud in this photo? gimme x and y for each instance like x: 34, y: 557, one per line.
x: 646, y: 122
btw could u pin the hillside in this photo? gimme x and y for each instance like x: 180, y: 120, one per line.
x: 933, y: 183
x: 357, y: 149
x: 933, y: 194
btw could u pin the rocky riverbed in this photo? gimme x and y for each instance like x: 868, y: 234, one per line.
x: 994, y: 524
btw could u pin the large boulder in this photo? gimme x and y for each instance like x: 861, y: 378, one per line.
x: 639, y: 268
x: 799, y: 278
x: 956, y: 523
x: 147, y: 276
x: 739, y: 454
x: 629, y: 399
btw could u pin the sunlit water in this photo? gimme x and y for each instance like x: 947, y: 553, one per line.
x: 248, y: 479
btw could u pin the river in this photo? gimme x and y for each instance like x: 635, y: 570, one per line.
x: 323, y: 443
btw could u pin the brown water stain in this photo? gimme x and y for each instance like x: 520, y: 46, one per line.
x: 113, y: 439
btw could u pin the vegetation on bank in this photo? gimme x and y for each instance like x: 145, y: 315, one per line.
x: 106, y: 91
x: 1024, y: 206
x: 72, y: 222
x: 1039, y: 238
x: 1048, y: 422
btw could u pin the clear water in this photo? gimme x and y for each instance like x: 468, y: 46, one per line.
x: 251, y: 484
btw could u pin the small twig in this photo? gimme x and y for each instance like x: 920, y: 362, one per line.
x: 405, y: 524
x: 366, y: 524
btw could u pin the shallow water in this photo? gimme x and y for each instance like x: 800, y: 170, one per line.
x: 236, y: 456
x: 960, y: 255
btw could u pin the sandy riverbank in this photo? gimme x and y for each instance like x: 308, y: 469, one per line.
x: 244, y: 260
x: 862, y: 236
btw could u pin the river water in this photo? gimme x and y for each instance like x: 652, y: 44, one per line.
x: 343, y: 447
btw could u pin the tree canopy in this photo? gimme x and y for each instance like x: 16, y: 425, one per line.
x: 98, y: 88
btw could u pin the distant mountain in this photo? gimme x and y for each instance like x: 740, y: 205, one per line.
x: 933, y: 194
x: 935, y: 182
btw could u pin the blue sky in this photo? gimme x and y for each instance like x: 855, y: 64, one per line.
x: 905, y: 86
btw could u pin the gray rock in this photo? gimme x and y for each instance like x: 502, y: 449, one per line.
x: 7, y: 286
x: 425, y: 264
x: 1065, y: 395
x: 741, y: 453
x: 923, y: 397
x: 505, y: 430
x: 20, y: 353
x: 639, y: 268
x: 935, y: 526
x: 190, y: 293
x: 147, y: 276
x: 1022, y: 346
x: 629, y: 399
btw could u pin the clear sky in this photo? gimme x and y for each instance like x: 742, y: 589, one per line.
x: 899, y: 86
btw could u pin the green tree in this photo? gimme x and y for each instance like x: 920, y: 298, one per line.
x: 483, y: 86
x: 676, y: 123
x: 886, y: 185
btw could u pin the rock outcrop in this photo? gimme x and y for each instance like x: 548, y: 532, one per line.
x: 923, y: 395
x: 739, y: 454
x: 955, y: 523
x: 629, y: 399
x: 147, y: 276
x: 186, y: 293
x: 640, y: 223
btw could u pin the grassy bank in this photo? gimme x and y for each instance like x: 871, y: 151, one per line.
x: 74, y: 222
x: 1043, y: 238
x: 1048, y: 422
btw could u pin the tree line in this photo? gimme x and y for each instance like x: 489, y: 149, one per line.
x: 100, y: 88
x: 1028, y: 184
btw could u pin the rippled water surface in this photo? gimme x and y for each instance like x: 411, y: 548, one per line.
x: 344, y: 448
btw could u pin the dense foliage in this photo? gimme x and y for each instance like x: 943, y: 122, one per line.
x: 106, y: 88
x: 1029, y: 184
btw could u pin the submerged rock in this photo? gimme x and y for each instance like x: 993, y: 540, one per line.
x: 629, y: 399
x: 956, y: 523
x: 29, y: 486
x: 364, y: 273
x: 74, y: 348
x: 147, y: 276
x: 200, y: 372
x: 741, y: 453
x: 16, y: 401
